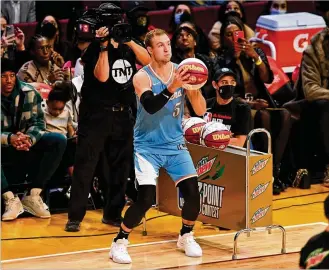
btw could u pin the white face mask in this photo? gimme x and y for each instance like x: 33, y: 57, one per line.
x: 274, y: 11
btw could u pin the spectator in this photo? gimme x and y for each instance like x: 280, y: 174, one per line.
x: 253, y: 71
x: 226, y: 109
x: 50, y: 28
x: 59, y: 120
x: 57, y: 116
x: 275, y: 7
x: 24, y: 143
x: 18, y: 11
x: 12, y: 46
x: 229, y: 8
x: 41, y: 69
x: 185, y: 45
x: 312, y: 86
x: 140, y: 22
x: 203, y: 43
x: 181, y: 13
x: 315, y: 253
x: 3, y: 23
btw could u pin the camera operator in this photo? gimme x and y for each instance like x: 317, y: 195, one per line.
x: 104, y: 114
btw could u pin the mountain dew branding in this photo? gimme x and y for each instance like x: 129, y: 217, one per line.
x: 259, y: 165
x: 259, y: 214
x: 205, y: 165
x: 259, y: 190
x: 211, y: 196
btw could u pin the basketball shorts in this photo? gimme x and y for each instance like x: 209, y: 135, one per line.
x: 179, y: 167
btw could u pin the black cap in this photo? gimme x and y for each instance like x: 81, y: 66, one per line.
x: 223, y: 72
x: 134, y: 6
x: 7, y: 65
x: 326, y: 207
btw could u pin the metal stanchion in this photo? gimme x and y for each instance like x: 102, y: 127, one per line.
x: 248, y: 230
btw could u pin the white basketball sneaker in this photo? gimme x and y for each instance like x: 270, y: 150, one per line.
x: 119, y: 252
x: 189, y: 245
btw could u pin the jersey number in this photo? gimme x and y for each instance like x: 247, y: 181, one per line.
x: 176, y: 109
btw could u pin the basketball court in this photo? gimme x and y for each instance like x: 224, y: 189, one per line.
x: 163, y: 254
x: 243, y: 199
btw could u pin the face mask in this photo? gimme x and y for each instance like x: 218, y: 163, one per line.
x: 274, y: 11
x: 48, y: 30
x: 177, y: 18
x: 182, y: 17
x: 226, y: 91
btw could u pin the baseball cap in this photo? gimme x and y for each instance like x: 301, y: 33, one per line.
x: 223, y: 72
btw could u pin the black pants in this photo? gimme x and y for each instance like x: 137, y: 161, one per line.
x: 98, y: 128
x: 313, y: 134
x: 39, y: 163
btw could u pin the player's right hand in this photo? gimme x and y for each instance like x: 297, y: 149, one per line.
x: 101, y: 34
x: 180, y: 78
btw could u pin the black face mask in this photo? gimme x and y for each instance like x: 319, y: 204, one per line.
x: 226, y: 91
x: 48, y: 30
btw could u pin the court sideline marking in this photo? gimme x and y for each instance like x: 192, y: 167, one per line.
x: 142, y: 244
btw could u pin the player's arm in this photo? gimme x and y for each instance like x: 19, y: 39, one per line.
x: 198, y: 102
x: 151, y: 102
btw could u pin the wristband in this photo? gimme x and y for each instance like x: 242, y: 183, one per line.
x: 8, y: 138
x: 259, y: 61
x: 104, y: 48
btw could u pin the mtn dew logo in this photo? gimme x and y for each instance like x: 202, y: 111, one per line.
x: 259, y: 214
x: 259, y: 165
x: 259, y: 190
x: 205, y: 165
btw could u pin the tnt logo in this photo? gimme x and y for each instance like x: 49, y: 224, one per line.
x: 121, y: 71
x: 300, y: 42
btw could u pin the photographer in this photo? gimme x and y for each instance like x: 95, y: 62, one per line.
x: 105, y: 115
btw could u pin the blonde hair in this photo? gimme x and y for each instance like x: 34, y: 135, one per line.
x: 151, y: 34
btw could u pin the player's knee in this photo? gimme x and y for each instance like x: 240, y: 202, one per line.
x: 190, y: 192
x: 146, y: 196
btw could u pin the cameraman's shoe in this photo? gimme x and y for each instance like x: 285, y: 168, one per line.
x: 72, y: 226
x: 114, y: 222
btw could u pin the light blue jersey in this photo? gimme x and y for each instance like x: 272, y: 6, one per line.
x: 160, y: 133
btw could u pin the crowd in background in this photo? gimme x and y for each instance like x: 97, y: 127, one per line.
x: 52, y: 63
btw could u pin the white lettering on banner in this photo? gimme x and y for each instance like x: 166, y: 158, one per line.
x: 300, y: 42
x: 211, y: 199
x: 121, y: 71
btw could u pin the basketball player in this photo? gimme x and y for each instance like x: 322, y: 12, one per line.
x: 159, y: 142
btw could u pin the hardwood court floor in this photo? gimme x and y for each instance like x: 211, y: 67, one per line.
x: 164, y: 254
x: 292, y: 207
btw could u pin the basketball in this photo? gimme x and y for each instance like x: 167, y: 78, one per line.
x: 198, y: 72
x: 215, y: 135
x: 192, y: 128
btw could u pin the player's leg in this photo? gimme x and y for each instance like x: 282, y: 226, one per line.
x: 147, y: 170
x: 182, y: 171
